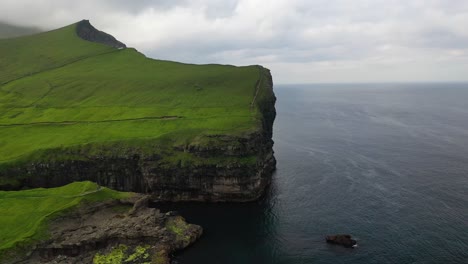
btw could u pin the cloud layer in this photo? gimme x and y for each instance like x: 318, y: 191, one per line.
x: 299, y: 40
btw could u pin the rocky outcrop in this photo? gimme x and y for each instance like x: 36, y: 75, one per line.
x: 344, y: 240
x: 115, y: 230
x: 86, y: 31
x: 220, y: 168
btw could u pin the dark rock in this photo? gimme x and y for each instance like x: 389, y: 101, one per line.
x: 87, y: 32
x: 139, y: 204
x: 344, y: 240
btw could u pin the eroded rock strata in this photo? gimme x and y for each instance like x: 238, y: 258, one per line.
x: 221, y: 168
x: 125, y: 231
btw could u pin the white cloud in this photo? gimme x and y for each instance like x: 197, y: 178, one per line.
x: 300, y: 40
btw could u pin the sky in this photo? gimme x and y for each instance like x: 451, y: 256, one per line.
x: 301, y: 41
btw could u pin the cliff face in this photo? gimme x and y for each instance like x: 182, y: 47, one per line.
x: 227, y: 168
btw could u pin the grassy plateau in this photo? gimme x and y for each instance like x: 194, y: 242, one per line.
x: 58, y: 90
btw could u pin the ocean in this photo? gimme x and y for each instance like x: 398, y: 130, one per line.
x: 386, y: 163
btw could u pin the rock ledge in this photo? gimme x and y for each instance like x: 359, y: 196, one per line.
x: 125, y: 229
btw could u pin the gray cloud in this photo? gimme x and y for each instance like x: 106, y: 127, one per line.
x: 300, y: 40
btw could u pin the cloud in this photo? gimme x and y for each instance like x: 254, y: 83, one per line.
x: 300, y: 40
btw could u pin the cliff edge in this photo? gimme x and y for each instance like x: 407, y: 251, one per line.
x: 108, y: 114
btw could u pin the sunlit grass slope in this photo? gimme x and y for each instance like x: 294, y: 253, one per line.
x: 24, y: 214
x: 60, y: 91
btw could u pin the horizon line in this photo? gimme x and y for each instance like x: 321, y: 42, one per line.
x: 372, y: 82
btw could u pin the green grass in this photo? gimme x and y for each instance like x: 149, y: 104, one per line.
x: 60, y: 91
x: 179, y: 227
x: 124, y: 254
x: 24, y: 214
x: 31, y: 54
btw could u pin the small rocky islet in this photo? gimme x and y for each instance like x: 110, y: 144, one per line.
x: 342, y: 239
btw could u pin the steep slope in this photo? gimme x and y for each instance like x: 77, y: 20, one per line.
x: 72, y: 109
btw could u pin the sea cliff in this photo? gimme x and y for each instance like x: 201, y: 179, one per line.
x: 215, y: 168
x: 105, y: 113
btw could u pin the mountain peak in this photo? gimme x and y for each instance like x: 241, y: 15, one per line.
x: 86, y: 31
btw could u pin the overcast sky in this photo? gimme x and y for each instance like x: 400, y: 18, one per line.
x: 301, y: 41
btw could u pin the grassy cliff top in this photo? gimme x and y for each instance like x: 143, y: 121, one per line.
x: 24, y: 214
x: 58, y: 90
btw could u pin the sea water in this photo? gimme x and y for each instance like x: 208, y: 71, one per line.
x: 386, y: 163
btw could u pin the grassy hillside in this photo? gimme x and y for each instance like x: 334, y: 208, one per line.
x: 29, y: 55
x: 60, y: 91
x: 11, y: 31
x: 24, y: 214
